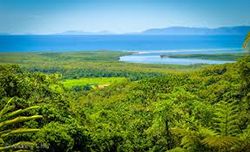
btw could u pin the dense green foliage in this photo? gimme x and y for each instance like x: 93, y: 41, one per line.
x: 162, y: 108
x: 85, y: 64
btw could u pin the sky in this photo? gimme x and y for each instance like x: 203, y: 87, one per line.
x: 118, y: 16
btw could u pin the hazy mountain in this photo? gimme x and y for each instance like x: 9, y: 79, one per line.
x: 84, y: 33
x: 236, y: 30
x: 177, y: 30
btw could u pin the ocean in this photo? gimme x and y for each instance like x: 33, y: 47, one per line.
x: 30, y: 43
x: 148, y: 47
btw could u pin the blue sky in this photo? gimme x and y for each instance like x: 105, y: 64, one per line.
x: 119, y: 16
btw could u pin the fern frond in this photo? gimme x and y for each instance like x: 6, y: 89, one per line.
x: 1, y: 141
x: 189, y: 138
x: 189, y: 141
x: 220, y: 142
x: 226, y: 118
x: 178, y: 131
x: 177, y: 149
x: 206, y: 132
x: 245, y: 140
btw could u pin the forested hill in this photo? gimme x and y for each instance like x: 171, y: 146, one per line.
x: 165, y: 108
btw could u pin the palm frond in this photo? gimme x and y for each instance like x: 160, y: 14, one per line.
x: 9, y: 116
x: 6, y: 108
x: 247, y: 39
x: 17, y: 131
x: 20, y: 145
x: 19, y: 111
x: 19, y: 119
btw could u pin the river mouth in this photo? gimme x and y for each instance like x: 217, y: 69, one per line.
x: 162, y: 57
x: 166, y: 60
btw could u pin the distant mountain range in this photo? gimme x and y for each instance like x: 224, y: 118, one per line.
x: 236, y: 30
x: 84, y: 33
x: 177, y: 30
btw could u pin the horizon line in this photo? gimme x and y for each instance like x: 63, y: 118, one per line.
x: 107, y: 32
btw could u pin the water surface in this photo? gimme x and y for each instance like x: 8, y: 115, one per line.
x: 28, y: 43
x: 149, y: 47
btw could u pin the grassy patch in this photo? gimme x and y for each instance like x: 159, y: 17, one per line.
x: 92, y: 82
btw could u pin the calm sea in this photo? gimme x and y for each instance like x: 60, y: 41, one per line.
x: 28, y: 43
x: 149, y: 47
